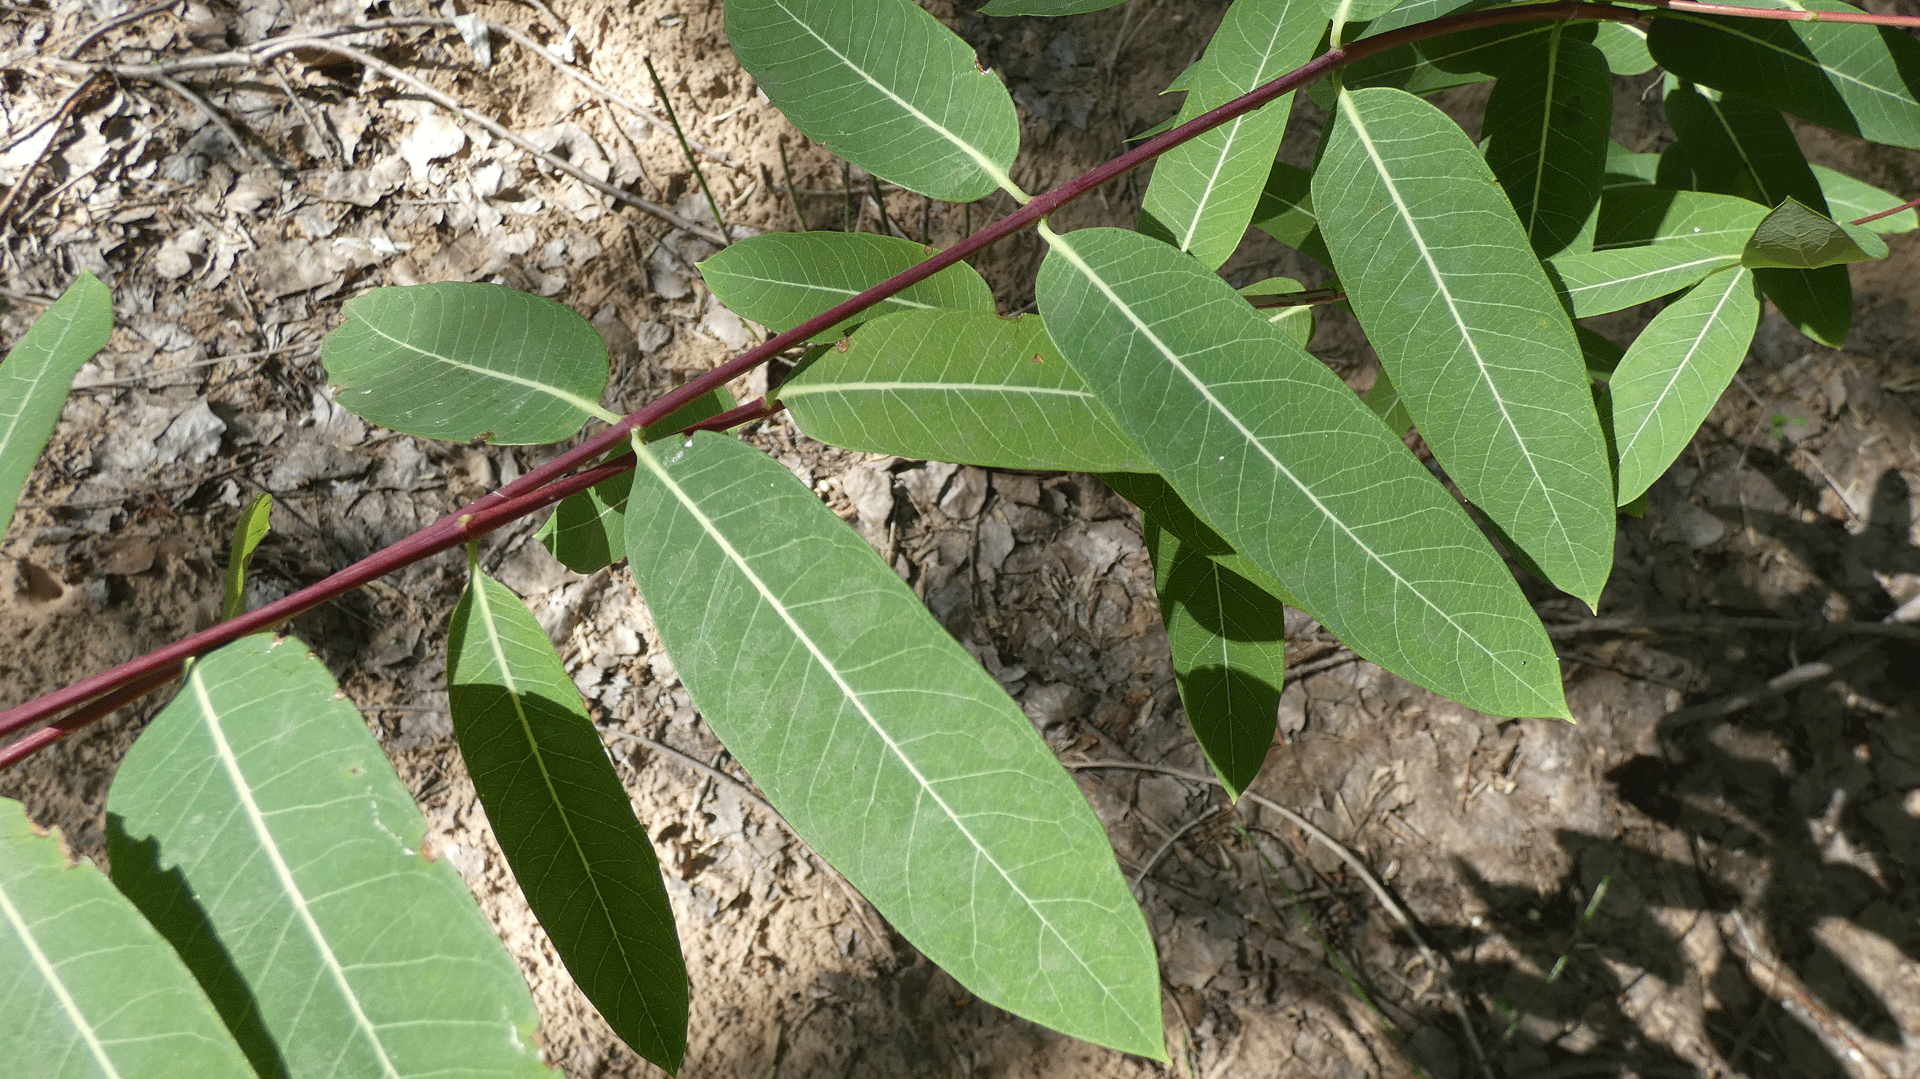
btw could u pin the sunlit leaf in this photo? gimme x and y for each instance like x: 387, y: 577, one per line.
x: 1285, y: 212
x: 1634, y: 216
x: 563, y: 819
x: 463, y: 361
x: 1204, y: 191
x: 782, y: 279
x: 1384, y: 401
x: 885, y: 745
x: 1612, y: 280
x: 1669, y: 380
x: 1625, y: 47
x: 37, y: 373
x: 1849, y: 199
x: 1294, y: 319
x: 90, y: 988
x: 1284, y: 461
x: 882, y: 84
x: 967, y: 386
x: 1854, y: 78
x: 1047, y: 7
x: 1546, y: 130
x: 1462, y: 316
x: 258, y: 825
x: 247, y: 534
x: 1794, y: 237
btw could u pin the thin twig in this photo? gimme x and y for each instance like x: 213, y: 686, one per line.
x: 1172, y: 838
x: 787, y: 171
x: 686, y: 149
x: 1778, y: 686
x: 319, y: 135
x: 1726, y: 624
x: 208, y: 111
x: 1785, y: 14
x: 1785, y: 987
x: 58, y: 118
x: 708, y: 770
x: 115, y: 23
x: 1441, y: 969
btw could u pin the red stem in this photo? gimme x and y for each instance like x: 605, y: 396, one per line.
x: 1786, y: 14
x: 1885, y: 213
x: 538, y: 488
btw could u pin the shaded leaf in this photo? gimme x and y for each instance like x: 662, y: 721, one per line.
x: 1602, y: 356
x: 1546, y: 130
x: 1285, y: 212
x: 1849, y: 199
x: 260, y: 828
x: 91, y: 989
x: 1156, y: 499
x: 882, y: 84
x: 1284, y: 461
x: 1625, y: 47
x: 563, y: 819
x: 1464, y: 319
x: 587, y: 530
x: 1669, y: 380
x: 1611, y: 280
x: 1047, y: 7
x: 885, y: 745
x: 37, y: 374
x: 247, y: 534
x: 463, y: 361
x: 1635, y: 216
x: 1384, y: 401
x: 1294, y: 319
x: 782, y: 279
x: 1794, y: 237
x: 967, y: 386
x: 1204, y: 191
x: 1854, y: 78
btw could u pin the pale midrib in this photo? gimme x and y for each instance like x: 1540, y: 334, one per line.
x: 1707, y: 328
x: 1232, y: 136
x: 483, y: 605
x: 1816, y: 63
x: 591, y: 408
x: 767, y: 596
x: 987, y: 164
x: 1613, y: 282
x: 790, y: 392
x: 1446, y: 294
x: 899, y: 299
x: 1759, y: 181
x: 18, y: 415
x: 50, y: 973
x: 1061, y: 245
x: 270, y: 848
x: 1546, y: 127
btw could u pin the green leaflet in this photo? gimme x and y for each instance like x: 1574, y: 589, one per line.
x: 1612, y: 280
x: 1285, y: 212
x: 37, y: 374
x: 1384, y: 401
x: 1282, y: 458
x: 1227, y: 632
x: 467, y: 361
x: 1739, y: 148
x: 885, y: 745
x: 782, y: 279
x: 258, y: 825
x: 1794, y: 237
x: 1047, y: 7
x: 1634, y: 216
x: 1854, y: 78
x: 1204, y: 191
x: 884, y: 85
x: 1849, y: 199
x: 1676, y: 369
x: 588, y: 529
x: 91, y: 989
x: 563, y: 819
x: 1437, y: 268
x: 1625, y: 47
x: 967, y: 386
x: 1546, y: 139
x: 1294, y: 320
x: 247, y: 534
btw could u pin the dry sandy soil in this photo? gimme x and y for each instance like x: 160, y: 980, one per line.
x: 1752, y: 879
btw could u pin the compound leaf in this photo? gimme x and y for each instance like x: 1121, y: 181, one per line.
x: 258, y: 825
x: 1204, y: 191
x: 782, y: 279
x: 91, y: 989
x: 1546, y: 131
x: 885, y: 745
x: 1854, y: 78
x: 1461, y: 313
x: 563, y: 819
x: 37, y: 374
x: 967, y: 386
x: 882, y: 84
x: 463, y: 361
x: 1279, y: 456
x: 1670, y: 378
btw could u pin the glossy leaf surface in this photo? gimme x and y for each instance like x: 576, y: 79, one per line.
x: 37, y: 374
x: 563, y: 819
x: 1204, y: 191
x: 882, y: 84
x: 260, y: 828
x: 1285, y: 462
x: 1854, y: 78
x: 1675, y: 370
x: 91, y: 990
x: 462, y: 361
x: 1438, y: 269
x: 885, y: 744
x: 966, y: 386
x: 1546, y: 132
x: 782, y: 279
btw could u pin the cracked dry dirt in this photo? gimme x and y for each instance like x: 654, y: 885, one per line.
x: 1754, y: 879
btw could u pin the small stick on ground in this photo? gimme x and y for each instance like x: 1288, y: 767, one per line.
x: 58, y: 118
x: 673, y: 118
x: 210, y: 112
